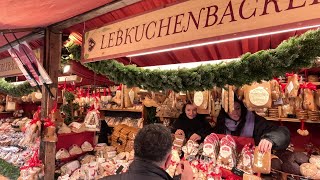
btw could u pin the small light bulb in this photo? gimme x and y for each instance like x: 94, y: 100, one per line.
x: 66, y: 68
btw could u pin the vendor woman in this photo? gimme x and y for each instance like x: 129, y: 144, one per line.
x: 242, y: 122
x: 190, y: 124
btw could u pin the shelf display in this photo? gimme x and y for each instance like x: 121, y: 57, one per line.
x: 296, y: 164
x: 114, y: 121
x: 19, y: 145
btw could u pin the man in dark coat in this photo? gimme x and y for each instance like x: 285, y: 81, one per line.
x: 152, y: 147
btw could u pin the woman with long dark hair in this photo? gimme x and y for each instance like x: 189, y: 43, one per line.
x: 245, y: 123
x: 191, y: 124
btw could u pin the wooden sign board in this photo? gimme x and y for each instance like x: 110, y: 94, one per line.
x: 194, y: 21
x: 9, y: 68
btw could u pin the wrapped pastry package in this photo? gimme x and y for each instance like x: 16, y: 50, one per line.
x: 70, y: 167
x: 231, y: 98
x: 201, y: 99
x: 190, y: 150
x: 178, y: 141
x: 258, y: 95
x: 75, y: 150
x: 91, y: 121
x: 292, y: 87
x: 227, y: 153
x: 286, y: 109
x: 262, y: 162
x: 275, y: 90
x: 175, y: 160
x: 62, y: 154
x: 86, y: 146
x: 246, y: 159
x: 211, y: 147
x: 308, y: 96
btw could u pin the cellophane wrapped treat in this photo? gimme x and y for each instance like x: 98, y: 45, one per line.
x: 292, y: 87
x: 246, y: 159
x: 175, y: 160
x: 227, y: 153
x: 258, y: 95
x: 262, y: 162
x: 190, y: 150
x: 211, y: 147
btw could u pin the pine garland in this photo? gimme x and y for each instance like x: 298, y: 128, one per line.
x: 15, y: 90
x: 291, y: 55
x: 8, y: 170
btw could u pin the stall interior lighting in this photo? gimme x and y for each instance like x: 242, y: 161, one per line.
x: 66, y: 68
x: 224, y: 40
x: 189, y: 65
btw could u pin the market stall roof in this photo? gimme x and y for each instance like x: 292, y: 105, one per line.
x: 31, y: 14
x: 42, y: 13
x: 226, y: 50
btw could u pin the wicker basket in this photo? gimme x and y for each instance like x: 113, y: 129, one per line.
x: 279, y: 175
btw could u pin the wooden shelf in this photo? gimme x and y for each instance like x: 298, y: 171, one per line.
x: 5, y: 112
x: 289, y: 120
x: 127, y: 110
x: 315, y: 83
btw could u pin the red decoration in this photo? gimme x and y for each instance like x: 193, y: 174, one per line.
x: 104, y: 91
x: 308, y: 86
x: 36, y: 116
x: 33, y: 161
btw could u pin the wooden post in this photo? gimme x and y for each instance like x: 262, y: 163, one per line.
x: 51, y: 63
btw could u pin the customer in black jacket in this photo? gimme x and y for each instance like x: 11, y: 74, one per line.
x: 152, y: 147
x: 242, y: 122
x: 191, y: 124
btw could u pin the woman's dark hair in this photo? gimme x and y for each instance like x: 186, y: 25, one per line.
x: 223, y: 115
x: 153, y: 143
x: 185, y: 105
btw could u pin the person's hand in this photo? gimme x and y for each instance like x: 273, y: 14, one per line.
x: 179, y: 132
x: 186, y: 171
x: 195, y: 137
x: 265, y: 145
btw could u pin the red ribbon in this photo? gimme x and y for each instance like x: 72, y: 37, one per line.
x: 36, y: 116
x: 289, y: 74
x: 283, y: 86
x: 109, y: 92
x: 82, y: 91
x: 55, y: 107
x: 91, y: 108
x: 213, y: 175
x: 48, y: 122
x: 97, y: 94
x: 33, y: 161
x: 119, y: 87
x: 67, y: 87
x: 88, y: 92
x: 302, y: 124
x: 308, y: 86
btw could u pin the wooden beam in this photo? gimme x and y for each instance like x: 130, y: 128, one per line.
x: 28, y: 38
x: 117, y: 4
x: 19, y: 30
x: 51, y: 64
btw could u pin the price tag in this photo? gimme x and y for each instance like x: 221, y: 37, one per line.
x: 237, y: 171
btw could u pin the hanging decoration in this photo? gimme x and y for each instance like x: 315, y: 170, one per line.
x: 9, y: 170
x: 291, y: 55
x: 15, y: 90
